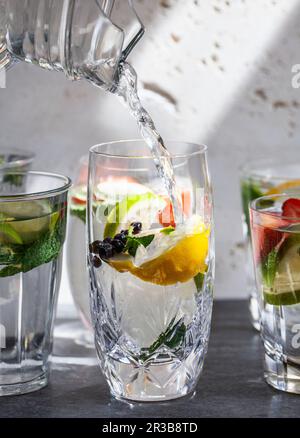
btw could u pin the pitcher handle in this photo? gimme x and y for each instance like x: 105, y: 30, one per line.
x: 124, y: 16
x: 131, y: 40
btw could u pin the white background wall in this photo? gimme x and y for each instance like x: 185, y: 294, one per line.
x: 226, y: 67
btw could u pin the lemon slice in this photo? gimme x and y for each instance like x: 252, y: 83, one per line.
x: 132, y: 208
x: 180, y: 262
x: 284, y: 187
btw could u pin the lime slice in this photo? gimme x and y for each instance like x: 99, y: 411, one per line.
x: 133, y: 208
x: 25, y: 221
x: 282, y: 299
x: 286, y: 287
x: 117, y: 188
x: 9, y: 235
x: 53, y: 220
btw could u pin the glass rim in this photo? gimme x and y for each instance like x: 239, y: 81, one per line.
x: 26, y: 158
x: 252, y: 168
x: 201, y: 149
x: 253, y: 206
x: 38, y: 194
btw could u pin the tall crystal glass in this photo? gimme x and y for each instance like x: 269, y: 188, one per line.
x: 33, y: 208
x: 151, y: 280
x: 275, y: 229
x: 259, y: 178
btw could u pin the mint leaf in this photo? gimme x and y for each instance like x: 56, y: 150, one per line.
x: 10, y: 270
x: 175, y: 339
x: 133, y: 243
x: 168, y: 230
x: 42, y: 251
x: 199, y: 280
x: 10, y: 254
x: 27, y: 257
x: 269, y: 268
x: 80, y: 213
x: 172, y: 337
x: 13, y: 179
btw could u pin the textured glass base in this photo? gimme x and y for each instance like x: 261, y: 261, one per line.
x: 292, y: 386
x: 282, y: 376
x: 25, y: 387
x: 156, y: 382
x: 254, y: 311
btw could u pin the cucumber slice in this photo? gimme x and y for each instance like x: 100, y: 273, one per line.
x: 24, y: 209
x: 25, y: 221
x: 286, y: 286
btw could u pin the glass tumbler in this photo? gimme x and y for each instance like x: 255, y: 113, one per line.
x: 14, y: 160
x: 275, y: 229
x: 262, y: 178
x: 151, y: 279
x: 33, y: 208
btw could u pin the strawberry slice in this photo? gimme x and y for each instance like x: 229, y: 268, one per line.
x: 266, y: 234
x: 78, y: 201
x: 266, y: 239
x: 166, y: 216
x: 266, y: 228
x: 291, y: 208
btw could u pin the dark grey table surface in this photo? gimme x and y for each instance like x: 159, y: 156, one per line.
x: 231, y: 384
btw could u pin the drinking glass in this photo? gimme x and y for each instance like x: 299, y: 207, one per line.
x: 78, y: 275
x: 275, y: 229
x: 33, y: 208
x: 151, y: 280
x: 15, y: 160
x: 262, y: 178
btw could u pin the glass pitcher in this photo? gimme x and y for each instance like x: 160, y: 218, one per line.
x: 82, y: 38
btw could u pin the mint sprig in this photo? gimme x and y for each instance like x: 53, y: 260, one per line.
x: 10, y: 254
x: 199, y: 280
x: 134, y: 242
x: 79, y: 212
x: 168, y: 230
x: 172, y: 337
x: 24, y: 258
x: 269, y: 267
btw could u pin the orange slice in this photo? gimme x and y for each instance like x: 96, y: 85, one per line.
x: 180, y: 263
x: 283, y: 187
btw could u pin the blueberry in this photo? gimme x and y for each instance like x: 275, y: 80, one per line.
x: 106, y: 250
x: 110, y: 250
x: 124, y: 232
x: 107, y: 240
x: 136, y: 227
x: 118, y: 245
x: 94, y: 247
x: 96, y: 261
x: 102, y: 249
x: 121, y: 237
